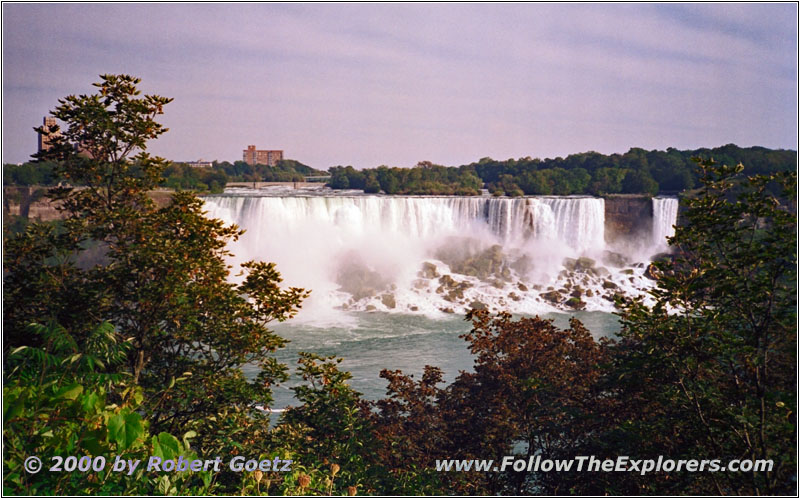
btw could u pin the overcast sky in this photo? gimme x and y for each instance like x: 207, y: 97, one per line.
x: 396, y: 84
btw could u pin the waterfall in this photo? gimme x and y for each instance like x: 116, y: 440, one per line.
x: 577, y: 222
x: 432, y: 254
x: 665, y: 216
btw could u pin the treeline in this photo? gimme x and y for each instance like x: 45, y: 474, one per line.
x: 180, y: 176
x: 176, y: 175
x: 426, y: 178
x: 30, y: 173
x: 286, y: 170
x: 636, y: 172
x: 214, y: 179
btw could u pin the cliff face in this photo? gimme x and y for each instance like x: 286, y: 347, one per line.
x: 628, y: 217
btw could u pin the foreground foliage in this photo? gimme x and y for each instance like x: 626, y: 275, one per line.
x: 158, y: 276
x: 71, y: 399
x: 719, y: 347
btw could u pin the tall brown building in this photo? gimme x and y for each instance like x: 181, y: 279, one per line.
x: 44, y: 140
x: 251, y: 156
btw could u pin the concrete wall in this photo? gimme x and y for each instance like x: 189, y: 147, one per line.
x: 29, y: 202
x: 32, y: 202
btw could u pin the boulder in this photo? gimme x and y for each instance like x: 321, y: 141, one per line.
x: 359, y: 280
x: 552, y: 296
x: 584, y: 263
x: 576, y: 303
x: 478, y: 305
x: 514, y: 296
x: 428, y: 271
x: 522, y: 287
x: 651, y: 272
x: 609, y: 285
x: 447, y: 281
x: 451, y: 289
x: 481, y: 264
x: 447, y: 310
x: 496, y: 254
x: 614, y: 259
x: 522, y: 265
x: 602, y: 272
x: 388, y: 300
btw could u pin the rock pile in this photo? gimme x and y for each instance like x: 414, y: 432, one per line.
x: 360, y: 281
x: 484, y: 265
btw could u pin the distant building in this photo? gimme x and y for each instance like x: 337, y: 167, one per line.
x: 44, y: 140
x: 251, y: 156
x: 199, y: 163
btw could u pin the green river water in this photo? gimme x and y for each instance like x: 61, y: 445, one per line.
x: 371, y: 341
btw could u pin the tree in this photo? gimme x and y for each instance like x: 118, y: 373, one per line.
x: 371, y: 185
x: 159, y: 275
x: 339, y: 178
x: 579, y: 180
x: 330, y: 433
x: 535, y: 182
x: 710, y: 369
x: 534, y: 387
x: 411, y: 433
x: 608, y: 181
x: 639, y: 182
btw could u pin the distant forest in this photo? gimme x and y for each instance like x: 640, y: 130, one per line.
x: 178, y: 175
x: 636, y: 172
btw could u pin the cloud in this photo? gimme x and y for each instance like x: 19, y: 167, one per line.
x: 395, y: 83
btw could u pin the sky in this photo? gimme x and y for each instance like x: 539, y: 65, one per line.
x: 395, y: 84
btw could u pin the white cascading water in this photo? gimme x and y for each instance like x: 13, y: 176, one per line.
x: 665, y: 216
x: 313, y: 237
x: 576, y: 221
